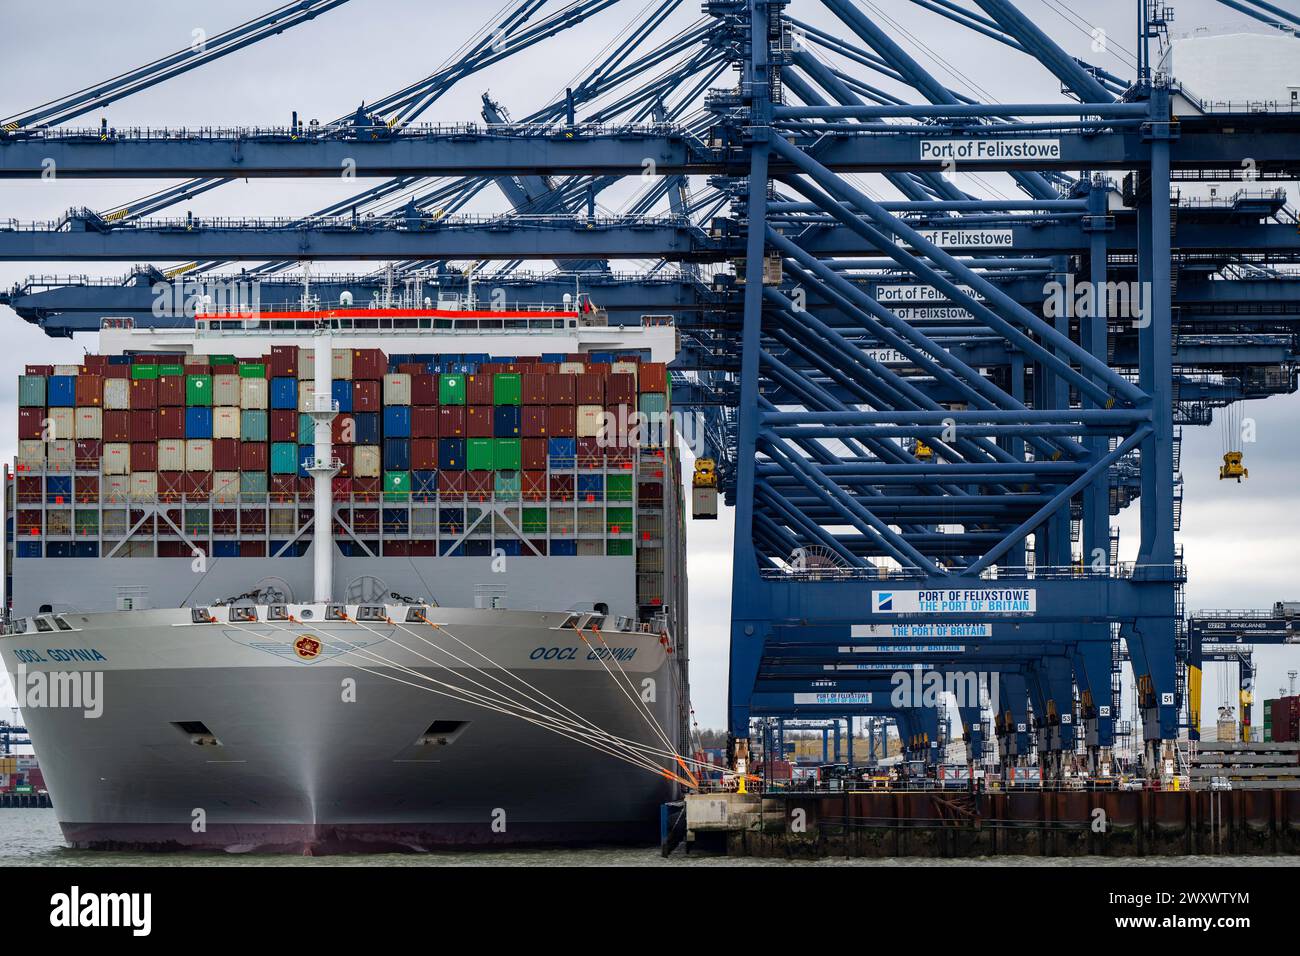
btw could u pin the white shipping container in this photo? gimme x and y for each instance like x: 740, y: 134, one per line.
x: 341, y: 364
x: 225, y: 389
x: 61, y: 454
x: 144, y: 484
x: 225, y: 422
x: 31, y: 454
x: 90, y: 422
x: 366, y: 460
x: 397, y: 389
x: 67, y: 369
x: 197, y: 359
x: 589, y: 420
x: 117, y: 393
x: 60, y: 423
x: 252, y: 393
x: 117, y: 458
x: 198, y: 454
x: 225, y: 486
x: 306, y: 395
x: 623, y: 368
x: 115, y: 488
x: 306, y: 364
x: 572, y: 368
x: 171, y: 454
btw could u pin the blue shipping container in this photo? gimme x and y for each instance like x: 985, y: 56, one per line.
x: 198, y: 421
x: 365, y: 428
x: 61, y: 391
x: 58, y: 487
x: 562, y: 451
x: 284, y: 393
x: 305, y: 454
x: 342, y: 392
x: 564, y: 547
x: 397, y: 421
x: 451, y: 454
x: 225, y: 549
x: 397, y: 454
x: 505, y: 421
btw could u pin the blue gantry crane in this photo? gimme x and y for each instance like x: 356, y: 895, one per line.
x: 926, y: 399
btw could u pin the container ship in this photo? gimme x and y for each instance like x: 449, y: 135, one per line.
x: 339, y: 579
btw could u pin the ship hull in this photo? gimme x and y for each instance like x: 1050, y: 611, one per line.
x: 366, y: 745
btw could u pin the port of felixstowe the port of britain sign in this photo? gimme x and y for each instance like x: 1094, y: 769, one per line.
x: 956, y: 601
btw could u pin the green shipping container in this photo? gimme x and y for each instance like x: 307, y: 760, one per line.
x: 171, y: 370
x: 507, y: 389
x: 198, y: 389
x: 397, y: 485
x: 506, y: 485
x: 653, y: 403
x: 451, y: 389
x: 221, y: 360
x: 619, y: 548
x: 252, y: 483
x: 534, y: 521
x: 31, y: 391
x: 306, y: 429
x: 284, y: 458
x: 196, y: 521
x: 252, y: 424
x: 618, y: 521
x: 479, y: 454
x: 252, y: 370
x: 144, y: 371
x: 618, y: 487
x: 86, y: 522
x: 507, y: 455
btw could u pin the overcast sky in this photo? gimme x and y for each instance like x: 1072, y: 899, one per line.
x: 1241, y: 540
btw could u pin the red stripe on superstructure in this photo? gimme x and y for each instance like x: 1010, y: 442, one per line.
x: 391, y: 313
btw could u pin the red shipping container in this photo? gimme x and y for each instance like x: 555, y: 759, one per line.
x: 225, y: 454
x: 144, y: 427
x: 171, y: 390
x: 252, y: 456
x: 86, y: 488
x: 533, y: 388
x: 117, y: 371
x: 591, y: 389
x: 344, y: 454
x: 368, y: 365
x: 365, y: 396
x: 562, y: 420
x: 561, y: 389
x: 171, y: 486
x: 478, y: 389
x: 90, y: 390
x: 342, y: 489
x: 253, y: 549
x: 117, y: 425
x: 411, y: 368
x: 46, y: 370
x: 29, y: 488
x: 144, y: 456
x: 590, y: 453
x: 561, y: 488
x: 284, y: 425
x: 478, y: 421
x: 170, y: 422
x: 31, y: 423
x: 654, y: 377
x: 424, y: 454
x: 306, y: 489
x: 225, y: 370
x: 144, y: 393
x: 451, y: 421
x: 367, y: 489
x: 534, y: 485
x: 198, y: 484
x: 424, y: 388
x: 424, y: 422
x: 87, y: 452
x: 283, y: 487
x: 478, y: 485
x: 343, y: 430
x: 93, y: 363
x: 620, y: 389
x: 451, y: 484
x: 532, y: 421
x: 284, y: 361
x: 533, y: 454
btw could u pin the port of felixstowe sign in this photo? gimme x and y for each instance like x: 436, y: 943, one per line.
x: 989, y: 150
x: 956, y: 601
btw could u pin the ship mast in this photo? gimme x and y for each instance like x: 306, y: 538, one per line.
x: 323, y: 467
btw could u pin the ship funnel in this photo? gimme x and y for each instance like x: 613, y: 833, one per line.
x: 323, y: 466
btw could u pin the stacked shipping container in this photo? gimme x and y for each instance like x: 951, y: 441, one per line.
x: 428, y: 443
